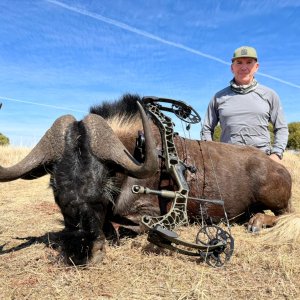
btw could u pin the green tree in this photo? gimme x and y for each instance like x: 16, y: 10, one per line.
x: 3, y: 140
x: 294, y: 136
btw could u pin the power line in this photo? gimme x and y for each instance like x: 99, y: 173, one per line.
x: 42, y: 104
x: 135, y: 30
x: 155, y: 37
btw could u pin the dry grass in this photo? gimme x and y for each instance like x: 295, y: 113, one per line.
x: 257, y: 270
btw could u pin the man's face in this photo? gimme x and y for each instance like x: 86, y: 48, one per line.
x: 244, y: 69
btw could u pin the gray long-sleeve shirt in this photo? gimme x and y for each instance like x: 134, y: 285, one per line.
x: 244, y: 119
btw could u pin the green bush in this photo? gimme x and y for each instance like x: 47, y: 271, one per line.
x: 294, y: 136
x: 271, y: 130
x: 3, y: 140
x: 217, y: 133
x: 294, y: 126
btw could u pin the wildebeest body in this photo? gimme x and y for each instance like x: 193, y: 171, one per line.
x: 93, y: 170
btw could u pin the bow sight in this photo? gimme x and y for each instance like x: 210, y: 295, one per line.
x: 212, y: 243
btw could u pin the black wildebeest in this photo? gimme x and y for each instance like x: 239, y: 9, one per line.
x: 93, y: 166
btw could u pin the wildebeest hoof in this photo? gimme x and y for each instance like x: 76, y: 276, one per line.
x: 253, y: 229
x: 256, y: 223
x: 259, y: 221
x: 98, y: 251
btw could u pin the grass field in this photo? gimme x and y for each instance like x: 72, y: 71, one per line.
x: 265, y: 266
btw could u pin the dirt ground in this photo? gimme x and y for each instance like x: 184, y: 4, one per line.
x: 31, y: 269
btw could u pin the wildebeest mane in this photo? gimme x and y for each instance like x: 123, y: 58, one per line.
x: 125, y: 106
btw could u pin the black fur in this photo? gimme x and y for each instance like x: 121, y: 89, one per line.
x: 84, y: 188
x: 126, y: 105
x: 78, y: 183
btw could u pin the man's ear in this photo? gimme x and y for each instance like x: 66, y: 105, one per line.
x: 231, y: 68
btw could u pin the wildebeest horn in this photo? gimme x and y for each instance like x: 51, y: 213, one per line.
x: 49, y: 149
x: 107, y: 147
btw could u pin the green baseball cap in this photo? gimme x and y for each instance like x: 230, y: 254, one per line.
x: 244, y: 51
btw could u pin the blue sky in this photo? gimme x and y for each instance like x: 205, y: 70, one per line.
x: 61, y: 57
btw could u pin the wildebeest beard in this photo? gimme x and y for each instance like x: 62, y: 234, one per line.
x: 83, y: 187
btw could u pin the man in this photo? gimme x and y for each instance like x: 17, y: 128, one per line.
x: 245, y: 108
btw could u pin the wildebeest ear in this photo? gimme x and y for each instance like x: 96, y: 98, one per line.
x: 108, y: 148
x: 49, y: 149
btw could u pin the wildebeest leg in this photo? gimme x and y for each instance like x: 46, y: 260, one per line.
x: 271, y: 185
x: 260, y: 220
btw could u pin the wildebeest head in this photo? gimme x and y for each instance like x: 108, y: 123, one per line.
x: 83, y: 159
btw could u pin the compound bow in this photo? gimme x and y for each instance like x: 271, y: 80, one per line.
x: 213, y: 244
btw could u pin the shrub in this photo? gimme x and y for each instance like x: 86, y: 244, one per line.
x: 294, y: 136
x: 217, y: 133
x: 3, y: 140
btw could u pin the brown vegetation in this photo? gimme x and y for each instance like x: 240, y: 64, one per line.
x: 265, y: 266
